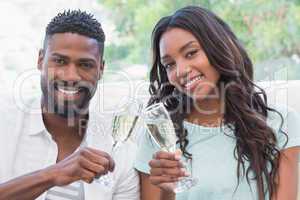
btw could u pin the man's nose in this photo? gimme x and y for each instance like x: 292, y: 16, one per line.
x: 71, y: 73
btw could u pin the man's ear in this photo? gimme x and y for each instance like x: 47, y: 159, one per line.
x: 40, y: 59
x: 101, y: 69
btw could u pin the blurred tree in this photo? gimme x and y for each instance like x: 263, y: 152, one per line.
x: 269, y: 29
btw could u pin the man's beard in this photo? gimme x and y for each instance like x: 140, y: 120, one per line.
x: 71, y: 110
x: 66, y: 108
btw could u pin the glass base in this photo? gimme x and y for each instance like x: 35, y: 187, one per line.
x: 106, y: 180
x: 185, y: 184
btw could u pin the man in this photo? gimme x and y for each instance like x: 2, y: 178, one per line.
x: 47, y: 155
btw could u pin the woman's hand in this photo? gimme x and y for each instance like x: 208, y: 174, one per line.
x: 166, y: 170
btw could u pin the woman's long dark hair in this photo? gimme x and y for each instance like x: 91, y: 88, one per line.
x: 245, y: 103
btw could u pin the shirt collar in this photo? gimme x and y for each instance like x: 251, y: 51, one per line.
x: 98, y: 122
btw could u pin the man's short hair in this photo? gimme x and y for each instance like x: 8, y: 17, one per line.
x: 76, y: 21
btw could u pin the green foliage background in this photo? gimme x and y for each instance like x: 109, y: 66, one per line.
x: 269, y: 29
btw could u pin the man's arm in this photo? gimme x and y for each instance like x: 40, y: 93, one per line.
x: 85, y: 164
x: 27, y: 187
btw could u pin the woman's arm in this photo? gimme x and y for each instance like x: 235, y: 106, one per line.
x: 148, y: 191
x: 288, y: 174
x: 152, y: 192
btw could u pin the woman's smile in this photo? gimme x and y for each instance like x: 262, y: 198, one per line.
x: 192, y: 83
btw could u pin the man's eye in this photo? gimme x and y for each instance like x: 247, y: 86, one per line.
x: 191, y: 53
x: 86, y: 65
x: 59, y: 61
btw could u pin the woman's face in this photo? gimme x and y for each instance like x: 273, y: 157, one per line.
x: 187, y: 65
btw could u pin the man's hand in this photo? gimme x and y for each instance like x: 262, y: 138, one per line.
x: 84, y: 164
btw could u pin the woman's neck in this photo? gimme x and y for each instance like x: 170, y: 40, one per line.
x: 207, y: 112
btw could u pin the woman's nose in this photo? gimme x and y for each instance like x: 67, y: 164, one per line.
x: 182, y: 69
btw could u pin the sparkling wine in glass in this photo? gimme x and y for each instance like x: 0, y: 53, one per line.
x: 124, y: 123
x: 161, y: 129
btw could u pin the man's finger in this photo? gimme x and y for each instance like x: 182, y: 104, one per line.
x: 98, y: 153
x: 92, y: 166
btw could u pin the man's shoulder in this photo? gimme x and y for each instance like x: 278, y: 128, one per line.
x: 13, y: 111
x: 8, y: 109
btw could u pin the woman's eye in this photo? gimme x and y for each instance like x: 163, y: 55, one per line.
x: 169, y: 65
x: 191, y: 53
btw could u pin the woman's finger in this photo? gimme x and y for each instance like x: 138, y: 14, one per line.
x: 167, y: 155
x: 156, y: 180
x: 173, y: 172
x: 164, y: 163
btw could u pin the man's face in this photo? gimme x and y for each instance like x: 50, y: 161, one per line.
x: 70, y: 66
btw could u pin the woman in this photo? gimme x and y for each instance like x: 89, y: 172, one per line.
x: 239, y: 146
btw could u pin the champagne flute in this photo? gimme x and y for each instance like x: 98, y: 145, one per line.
x: 162, y: 132
x: 125, y: 122
x: 123, y: 129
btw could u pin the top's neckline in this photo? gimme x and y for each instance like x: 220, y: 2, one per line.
x: 201, y: 126
x: 197, y: 128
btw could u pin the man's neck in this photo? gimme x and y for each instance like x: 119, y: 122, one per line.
x: 62, y: 128
x: 68, y: 136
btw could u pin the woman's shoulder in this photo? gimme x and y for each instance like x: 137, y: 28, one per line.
x: 286, y: 124
x: 282, y: 113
